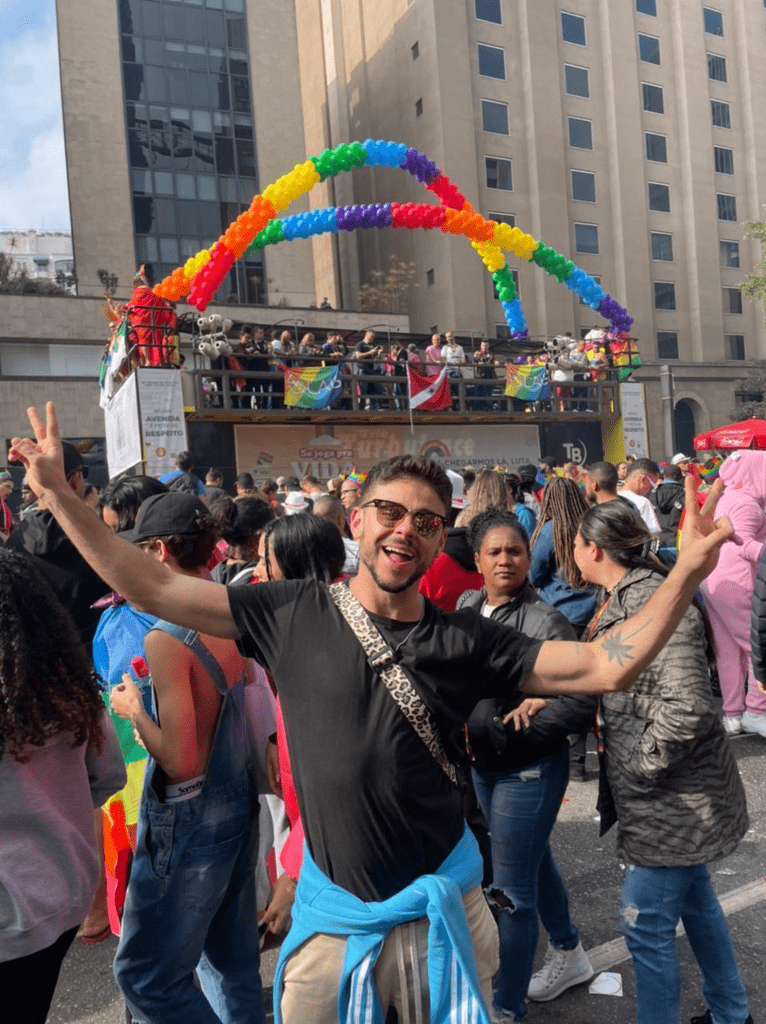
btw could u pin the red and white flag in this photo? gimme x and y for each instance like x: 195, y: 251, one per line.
x: 429, y: 393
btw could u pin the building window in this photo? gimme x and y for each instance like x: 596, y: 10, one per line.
x: 499, y: 173
x: 580, y: 133
x: 515, y: 276
x: 720, y: 114
x: 723, y: 159
x: 735, y: 349
x: 648, y: 49
x: 727, y: 206
x: 716, y: 67
x: 647, y: 7
x: 586, y: 238
x: 573, y: 29
x: 662, y: 246
x: 429, y: 277
x: 664, y: 295
x: 713, y: 21
x: 504, y: 218
x: 494, y: 117
x: 656, y: 147
x: 729, y: 252
x: 491, y: 61
x: 597, y: 279
x: 576, y: 81
x: 418, y: 107
x: 584, y: 186
x: 667, y: 344
x: 654, y: 101
x: 732, y: 301
x: 415, y: 49
x: 489, y: 10
x: 659, y: 197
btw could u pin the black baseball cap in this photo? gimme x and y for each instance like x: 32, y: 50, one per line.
x: 164, y: 515
x: 73, y: 459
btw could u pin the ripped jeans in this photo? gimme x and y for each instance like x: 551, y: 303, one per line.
x: 653, y: 902
x: 521, y: 809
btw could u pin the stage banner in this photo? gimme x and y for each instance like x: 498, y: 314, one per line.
x: 163, y: 427
x: 327, y: 450
x: 123, y: 429
x: 633, y: 405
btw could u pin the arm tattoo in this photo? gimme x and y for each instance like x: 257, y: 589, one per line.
x: 616, y: 649
x: 620, y: 650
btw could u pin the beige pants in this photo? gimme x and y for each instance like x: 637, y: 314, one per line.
x: 401, y: 973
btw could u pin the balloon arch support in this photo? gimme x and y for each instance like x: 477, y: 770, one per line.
x: 201, y: 275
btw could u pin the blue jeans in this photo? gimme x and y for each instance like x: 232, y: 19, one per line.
x: 191, y: 903
x: 191, y: 898
x: 653, y: 901
x: 521, y: 809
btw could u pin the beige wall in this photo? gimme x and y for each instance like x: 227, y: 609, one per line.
x: 96, y: 144
x: 380, y: 83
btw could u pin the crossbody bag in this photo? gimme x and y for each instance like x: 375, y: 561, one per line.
x: 381, y: 659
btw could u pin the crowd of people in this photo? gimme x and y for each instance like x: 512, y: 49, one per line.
x: 197, y: 673
x: 263, y: 356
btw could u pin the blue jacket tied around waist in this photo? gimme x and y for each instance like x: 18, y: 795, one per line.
x: 322, y: 906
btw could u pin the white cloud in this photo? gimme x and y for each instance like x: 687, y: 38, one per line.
x: 33, y: 186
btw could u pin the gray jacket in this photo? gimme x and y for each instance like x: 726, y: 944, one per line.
x: 677, y: 791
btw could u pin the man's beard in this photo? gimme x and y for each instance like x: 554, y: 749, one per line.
x: 394, y: 588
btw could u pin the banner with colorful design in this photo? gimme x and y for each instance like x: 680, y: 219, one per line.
x: 625, y: 357
x: 529, y: 383
x: 312, y: 387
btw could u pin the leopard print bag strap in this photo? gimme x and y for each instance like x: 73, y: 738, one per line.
x: 381, y: 660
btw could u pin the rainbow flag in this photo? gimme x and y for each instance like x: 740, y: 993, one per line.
x: 529, y: 383
x: 312, y: 387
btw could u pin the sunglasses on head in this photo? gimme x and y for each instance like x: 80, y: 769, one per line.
x: 389, y: 513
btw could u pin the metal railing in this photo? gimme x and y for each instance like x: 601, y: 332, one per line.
x: 369, y: 392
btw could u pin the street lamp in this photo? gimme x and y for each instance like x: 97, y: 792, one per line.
x: 388, y: 327
x: 473, y: 331
x: 295, y: 322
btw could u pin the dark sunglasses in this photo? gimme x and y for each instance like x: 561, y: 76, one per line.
x: 389, y: 513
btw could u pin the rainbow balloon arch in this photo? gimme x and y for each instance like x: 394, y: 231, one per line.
x: 200, y: 277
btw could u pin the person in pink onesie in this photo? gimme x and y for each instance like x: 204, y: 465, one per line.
x: 728, y: 590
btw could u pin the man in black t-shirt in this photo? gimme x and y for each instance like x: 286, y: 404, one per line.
x: 378, y: 812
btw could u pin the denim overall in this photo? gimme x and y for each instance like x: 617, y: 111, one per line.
x: 191, y: 897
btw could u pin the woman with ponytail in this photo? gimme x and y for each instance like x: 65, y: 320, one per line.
x: 668, y: 779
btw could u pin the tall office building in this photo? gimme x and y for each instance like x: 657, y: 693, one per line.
x: 629, y: 135
x: 176, y: 112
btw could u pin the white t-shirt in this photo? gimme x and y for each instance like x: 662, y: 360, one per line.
x: 645, y: 510
x: 453, y: 356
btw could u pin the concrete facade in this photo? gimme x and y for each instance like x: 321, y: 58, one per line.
x: 100, y: 186
x: 410, y: 71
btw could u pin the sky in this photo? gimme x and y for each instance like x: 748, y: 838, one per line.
x: 33, y: 186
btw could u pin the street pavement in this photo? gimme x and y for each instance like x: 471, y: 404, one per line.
x: 86, y: 993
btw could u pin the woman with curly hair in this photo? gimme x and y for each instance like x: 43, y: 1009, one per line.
x: 59, y: 759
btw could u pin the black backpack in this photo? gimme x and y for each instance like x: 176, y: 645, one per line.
x: 186, y: 482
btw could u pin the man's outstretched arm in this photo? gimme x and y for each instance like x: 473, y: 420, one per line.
x: 615, y: 660
x: 144, y: 583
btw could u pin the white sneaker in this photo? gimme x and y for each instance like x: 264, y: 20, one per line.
x: 732, y: 724
x: 752, y: 721
x: 562, y: 969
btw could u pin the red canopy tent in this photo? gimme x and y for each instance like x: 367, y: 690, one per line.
x: 747, y: 434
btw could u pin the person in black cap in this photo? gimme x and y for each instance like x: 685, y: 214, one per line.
x: 199, y: 784
x: 75, y: 584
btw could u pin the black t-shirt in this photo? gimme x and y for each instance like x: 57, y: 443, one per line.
x: 376, y: 808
